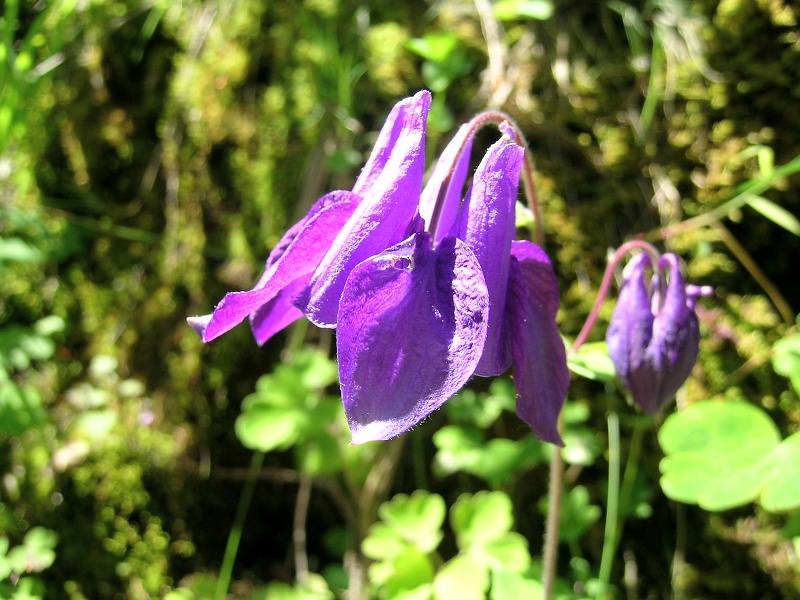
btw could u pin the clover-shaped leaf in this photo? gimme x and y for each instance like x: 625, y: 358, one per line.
x: 417, y: 519
x: 463, y: 577
x: 481, y: 518
x: 724, y: 454
x: 495, y: 461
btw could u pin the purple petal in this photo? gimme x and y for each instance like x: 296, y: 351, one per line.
x: 676, y: 336
x: 380, y: 221
x: 448, y: 177
x: 279, y: 312
x: 540, y: 363
x: 412, y: 324
x: 295, y: 257
x: 486, y: 223
x: 631, y: 325
x: 387, y: 140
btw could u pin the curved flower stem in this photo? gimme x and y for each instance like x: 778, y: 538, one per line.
x: 606, y: 285
x: 232, y: 547
x: 503, y: 121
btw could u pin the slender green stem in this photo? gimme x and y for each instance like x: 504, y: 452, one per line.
x: 550, y: 552
x: 612, y: 504
x: 232, y: 547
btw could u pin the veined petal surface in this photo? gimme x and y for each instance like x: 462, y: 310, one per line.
x: 380, y: 221
x: 541, y: 376
x: 486, y: 223
x: 631, y: 325
x: 412, y: 325
x: 448, y: 178
x: 675, y: 343
x: 296, y: 256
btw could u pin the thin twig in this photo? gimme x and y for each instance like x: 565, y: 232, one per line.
x: 786, y: 312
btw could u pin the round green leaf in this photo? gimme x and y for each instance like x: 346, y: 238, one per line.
x: 717, y: 453
x: 508, y: 553
x: 463, y: 578
x: 512, y: 586
x: 481, y: 518
x: 267, y: 428
x: 417, y: 518
x: 782, y: 484
x: 410, y: 570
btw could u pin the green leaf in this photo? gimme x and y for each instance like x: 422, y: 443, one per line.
x: 417, y: 518
x: 495, y: 461
x: 716, y: 453
x: 382, y: 543
x: 463, y: 577
x: 267, y: 428
x: 509, y: 552
x: 593, y: 362
x: 409, y: 570
x: 20, y: 409
x: 786, y: 359
x: 513, y: 586
x: 775, y: 213
x: 781, y: 490
x: 506, y: 10
x: 481, y: 518
x: 436, y: 48
x: 577, y: 514
x: 36, y: 552
x: 17, y: 250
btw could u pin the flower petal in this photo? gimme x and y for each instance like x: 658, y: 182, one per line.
x: 486, y: 223
x: 382, y: 150
x: 675, y: 343
x: 277, y: 313
x: 540, y: 363
x: 450, y: 173
x: 380, y: 221
x: 631, y: 326
x: 296, y: 256
x: 412, y: 325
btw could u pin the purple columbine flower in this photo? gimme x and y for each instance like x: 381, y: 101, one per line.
x: 424, y: 291
x: 653, y: 337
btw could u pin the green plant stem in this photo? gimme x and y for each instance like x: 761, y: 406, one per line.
x: 745, y: 191
x: 232, y: 547
x: 550, y: 552
x: 612, y: 504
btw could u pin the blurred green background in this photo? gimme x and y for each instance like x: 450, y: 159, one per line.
x: 153, y: 152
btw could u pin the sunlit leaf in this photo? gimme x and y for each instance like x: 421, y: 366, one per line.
x: 505, y: 10
x: 592, y: 361
x: 462, y: 577
x: 724, y: 454
x: 481, y: 518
